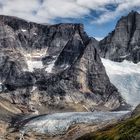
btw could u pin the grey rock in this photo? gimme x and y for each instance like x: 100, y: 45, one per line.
x: 84, y: 81
x: 124, y: 42
x: 57, y: 66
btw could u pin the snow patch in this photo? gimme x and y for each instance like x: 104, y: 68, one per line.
x: 50, y: 67
x: 34, y: 60
x: 99, y: 38
x: 65, y: 66
x: 126, y: 77
x: 23, y: 30
x: 136, y: 47
x: 35, y: 33
x: 124, y: 56
x: 34, y: 65
x: 34, y: 88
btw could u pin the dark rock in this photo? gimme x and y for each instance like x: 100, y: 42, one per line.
x: 124, y: 41
x: 59, y: 62
x: 84, y: 81
x: 71, y: 51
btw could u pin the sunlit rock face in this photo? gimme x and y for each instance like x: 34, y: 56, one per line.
x: 124, y: 41
x: 61, y: 61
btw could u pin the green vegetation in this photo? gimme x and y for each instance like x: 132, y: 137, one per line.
x: 126, y: 130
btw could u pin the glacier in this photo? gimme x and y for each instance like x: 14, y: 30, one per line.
x: 59, y: 123
x: 126, y: 77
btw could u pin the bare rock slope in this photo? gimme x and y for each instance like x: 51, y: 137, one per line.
x: 52, y: 67
x: 124, y: 41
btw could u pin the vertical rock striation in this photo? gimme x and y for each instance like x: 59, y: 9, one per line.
x: 55, y: 66
x: 124, y: 41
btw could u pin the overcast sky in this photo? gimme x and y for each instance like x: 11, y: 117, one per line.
x: 98, y: 16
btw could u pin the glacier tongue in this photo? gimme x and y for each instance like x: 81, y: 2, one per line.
x: 59, y: 123
x: 126, y: 77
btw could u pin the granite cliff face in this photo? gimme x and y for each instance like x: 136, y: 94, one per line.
x: 124, y: 41
x: 52, y: 67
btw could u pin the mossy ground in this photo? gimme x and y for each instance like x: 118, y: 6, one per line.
x: 126, y: 130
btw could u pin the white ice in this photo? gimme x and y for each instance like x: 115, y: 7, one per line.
x: 124, y: 56
x: 34, y: 60
x: 50, y: 67
x: 126, y: 77
x: 23, y: 30
x: 59, y: 123
x: 34, y: 65
x: 35, y: 33
x: 33, y: 88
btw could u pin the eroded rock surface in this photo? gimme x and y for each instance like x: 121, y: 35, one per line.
x: 53, y: 68
x: 124, y: 41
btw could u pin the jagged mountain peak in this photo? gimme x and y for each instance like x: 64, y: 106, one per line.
x: 60, y: 61
x: 132, y: 13
x: 123, y: 42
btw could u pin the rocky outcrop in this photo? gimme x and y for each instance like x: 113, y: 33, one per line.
x: 85, y: 81
x: 54, y: 66
x: 124, y: 41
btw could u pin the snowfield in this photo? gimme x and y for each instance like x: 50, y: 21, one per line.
x: 126, y: 77
x: 50, y: 67
x: 34, y: 65
x: 59, y: 123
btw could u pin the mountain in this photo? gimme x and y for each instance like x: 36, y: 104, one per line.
x: 50, y: 68
x: 124, y: 41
